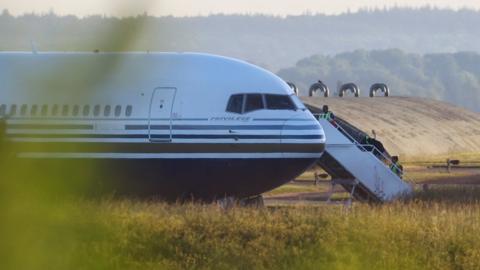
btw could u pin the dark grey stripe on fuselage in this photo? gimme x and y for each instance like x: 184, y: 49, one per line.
x: 96, y: 147
x: 165, y: 127
x: 222, y: 127
x: 100, y: 119
x: 133, y: 118
x: 161, y: 136
x: 281, y: 119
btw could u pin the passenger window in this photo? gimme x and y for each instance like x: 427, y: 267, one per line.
x: 96, y: 110
x: 65, y: 110
x: 279, y: 102
x: 23, y: 110
x: 13, y: 110
x: 235, y: 103
x: 86, y: 110
x: 44, y: 110
x: 3, y: 109
x: 254, y: 102
x: 34, y: 110
x: 76, y: 110
x: 54, y: 110
x: 128, y: 111
x: 118, y: 110
x: 106, y: 111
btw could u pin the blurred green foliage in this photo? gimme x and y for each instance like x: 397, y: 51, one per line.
x: 47, y: 225
x: 48, y: 220
x: 40, y: 227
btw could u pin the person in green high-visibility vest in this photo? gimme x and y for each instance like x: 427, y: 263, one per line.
x: 396, y: 167
x: 327, y: 114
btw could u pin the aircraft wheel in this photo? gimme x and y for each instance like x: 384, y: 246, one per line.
x: 255, y: 202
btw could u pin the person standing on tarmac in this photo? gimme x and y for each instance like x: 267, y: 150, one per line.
x: 396, y: 167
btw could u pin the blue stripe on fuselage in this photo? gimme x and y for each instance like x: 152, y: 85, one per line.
x: 222, y: 127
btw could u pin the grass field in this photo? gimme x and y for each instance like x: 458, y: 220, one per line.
x: 465, y: 158
x: 52, y: 227
x: 293, y: 188
x: 439, y: 229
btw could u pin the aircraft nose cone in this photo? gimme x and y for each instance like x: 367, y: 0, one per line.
x: 304, y: 135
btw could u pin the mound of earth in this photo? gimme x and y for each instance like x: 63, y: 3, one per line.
x: 409, y: 126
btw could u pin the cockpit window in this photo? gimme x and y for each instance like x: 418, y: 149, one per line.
x: 298, y: 103
x: 235, y: 104
x: 279, y: 102
x: 244, y: 103
x: 254, y: 102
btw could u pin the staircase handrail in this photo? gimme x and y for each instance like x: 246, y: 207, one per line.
x: 362, y: 147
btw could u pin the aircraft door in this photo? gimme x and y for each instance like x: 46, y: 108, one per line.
x: 160, y: 117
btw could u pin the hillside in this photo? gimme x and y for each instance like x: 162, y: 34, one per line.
x: 436, y: 51
x: 413, y: 127
x: 273, y: 42
x: 450, y: 77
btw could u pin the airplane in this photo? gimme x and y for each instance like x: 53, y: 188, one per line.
x: 170, y: 125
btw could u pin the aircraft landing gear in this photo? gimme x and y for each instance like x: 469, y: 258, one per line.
x: 231, y: 202
x: 255, y: 202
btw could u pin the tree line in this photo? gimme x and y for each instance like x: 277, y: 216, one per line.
x: 272, y: 42
x: 451, y: 77
x: 424, y: 63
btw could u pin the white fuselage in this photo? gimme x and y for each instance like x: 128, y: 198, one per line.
x: 169, y: 110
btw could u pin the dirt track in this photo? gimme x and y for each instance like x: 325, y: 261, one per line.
x: 459, y: 177
x: 459, y: 180
x: 410, y: 126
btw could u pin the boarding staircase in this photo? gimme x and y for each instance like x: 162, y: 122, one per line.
x: 361, y: 169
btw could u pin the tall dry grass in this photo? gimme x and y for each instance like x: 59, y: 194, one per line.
x: 45, y: 224
x: 437, y: 229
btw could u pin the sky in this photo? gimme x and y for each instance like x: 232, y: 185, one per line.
x: 206, y: 7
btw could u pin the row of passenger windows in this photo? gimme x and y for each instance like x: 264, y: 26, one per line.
x: 244, y: 103
x: 65, y: 110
